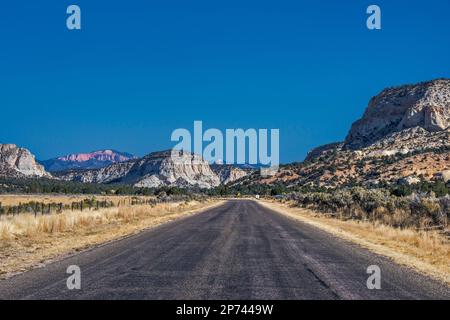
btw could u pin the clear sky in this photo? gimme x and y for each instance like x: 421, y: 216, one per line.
x: 139, y: 69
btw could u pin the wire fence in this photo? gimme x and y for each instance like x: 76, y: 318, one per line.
x: 41, y: 208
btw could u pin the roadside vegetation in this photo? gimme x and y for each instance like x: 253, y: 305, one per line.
x: 51, y: 186
x: 418, y: 210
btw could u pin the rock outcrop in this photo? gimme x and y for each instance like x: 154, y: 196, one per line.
x: 19, y: 162
x: 425, y: 105
x: 330, y: 147
x: 183, y: 170
x: 112, y: 173
x: 91, y: 160
x: 228, y: 173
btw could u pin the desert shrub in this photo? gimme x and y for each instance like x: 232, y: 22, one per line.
x: 418, y: 210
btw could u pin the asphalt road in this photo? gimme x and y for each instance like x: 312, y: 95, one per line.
x: 239, y: 250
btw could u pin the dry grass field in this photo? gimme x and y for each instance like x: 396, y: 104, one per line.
x: 425, y: 251
x: 14, y: 200
x: 27, y: 241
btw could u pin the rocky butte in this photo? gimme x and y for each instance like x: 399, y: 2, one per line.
x: 425, y: 105
x: 19, y: 162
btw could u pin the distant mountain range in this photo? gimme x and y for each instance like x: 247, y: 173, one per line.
x: 90, y: 160
x: 157, y: 169
x: 402, y: 138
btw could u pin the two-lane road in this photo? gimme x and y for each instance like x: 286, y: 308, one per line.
x: 240, y: 250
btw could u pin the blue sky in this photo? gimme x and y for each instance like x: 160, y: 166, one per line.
x: 139, y: 69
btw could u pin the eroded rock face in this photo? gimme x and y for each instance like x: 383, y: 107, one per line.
x: 160, y: 168
x: 19, y: 162
x: 425, y: 105
x: 111, y: 173
x: 228, y: 173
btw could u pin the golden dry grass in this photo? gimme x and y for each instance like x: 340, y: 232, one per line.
x: 14, y: 200
x: 425, y: 251
x: 26, y: 241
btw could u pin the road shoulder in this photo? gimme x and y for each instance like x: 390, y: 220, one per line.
x: 427, y: 253
x: 26, y: 252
